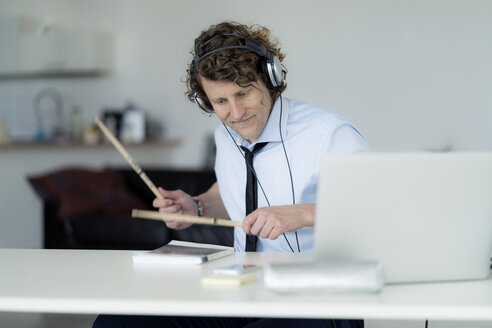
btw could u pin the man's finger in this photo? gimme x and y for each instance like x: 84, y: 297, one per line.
x: 258, y: 225
x: 173, y: 194
x: 267, y: 229
x: 275, y: 233
x: 249, y: 221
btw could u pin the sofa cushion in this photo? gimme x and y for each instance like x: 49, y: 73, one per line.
x: 191, y: 182
x: 80, y: 191
x: 116, y: 232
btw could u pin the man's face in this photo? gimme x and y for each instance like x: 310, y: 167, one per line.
x: 244, y: 109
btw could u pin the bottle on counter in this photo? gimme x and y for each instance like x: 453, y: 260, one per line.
x: 91, y: 136
x: 4, y: 133
x: 76, y: 124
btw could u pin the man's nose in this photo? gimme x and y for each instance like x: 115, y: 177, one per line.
x: 237, y: 110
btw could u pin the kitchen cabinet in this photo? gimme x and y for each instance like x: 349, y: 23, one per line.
x: 29, y: 47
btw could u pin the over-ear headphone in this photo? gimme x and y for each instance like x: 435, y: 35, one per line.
x: 269, y: 63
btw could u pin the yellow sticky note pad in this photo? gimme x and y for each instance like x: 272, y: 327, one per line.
x: 220, y: 279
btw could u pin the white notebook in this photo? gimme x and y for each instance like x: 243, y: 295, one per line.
x: 181, y: 252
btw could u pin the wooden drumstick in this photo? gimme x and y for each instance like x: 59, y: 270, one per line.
x: 155, y: 215
x: 127, y: 157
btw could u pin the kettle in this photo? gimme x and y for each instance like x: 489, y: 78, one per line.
x: 133, y: 129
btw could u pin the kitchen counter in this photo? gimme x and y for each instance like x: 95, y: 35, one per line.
x: 33, y: 145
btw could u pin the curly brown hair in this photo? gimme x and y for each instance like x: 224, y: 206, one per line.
x: 241, y: 66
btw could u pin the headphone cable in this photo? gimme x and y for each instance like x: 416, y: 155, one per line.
x: 258, y: 180
x: 288, y: 165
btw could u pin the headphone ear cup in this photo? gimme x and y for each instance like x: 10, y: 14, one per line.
x: 265, y: 71
x: 272, y: 68
x: 201, y: 103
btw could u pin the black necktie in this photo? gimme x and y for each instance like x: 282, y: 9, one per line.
x: 251, y: 190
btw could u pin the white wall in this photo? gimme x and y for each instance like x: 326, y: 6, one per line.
x: 412, y: 75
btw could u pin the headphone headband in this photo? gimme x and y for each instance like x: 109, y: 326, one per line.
x: 250, y: 44
x: 273, y: 70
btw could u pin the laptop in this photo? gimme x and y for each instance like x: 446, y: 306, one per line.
x: 425, y: 216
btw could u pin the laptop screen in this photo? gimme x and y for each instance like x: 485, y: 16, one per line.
x: 425, y: 216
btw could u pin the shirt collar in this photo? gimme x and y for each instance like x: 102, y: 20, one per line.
x: 271, y: 131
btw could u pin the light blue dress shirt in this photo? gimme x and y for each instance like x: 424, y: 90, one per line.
x: 309, y: 133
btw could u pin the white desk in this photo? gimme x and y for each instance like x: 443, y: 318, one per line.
x: 71, y: 281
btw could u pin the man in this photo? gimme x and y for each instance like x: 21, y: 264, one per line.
x: 268, y: 154
x: 232, y: 84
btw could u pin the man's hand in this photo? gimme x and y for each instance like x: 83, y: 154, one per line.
x: 176, y: 201
x: 271, y: 222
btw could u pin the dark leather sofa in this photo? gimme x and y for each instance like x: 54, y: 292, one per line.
x: 87, y: 209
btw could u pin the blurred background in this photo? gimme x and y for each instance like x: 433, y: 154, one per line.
x: 412, y: 75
